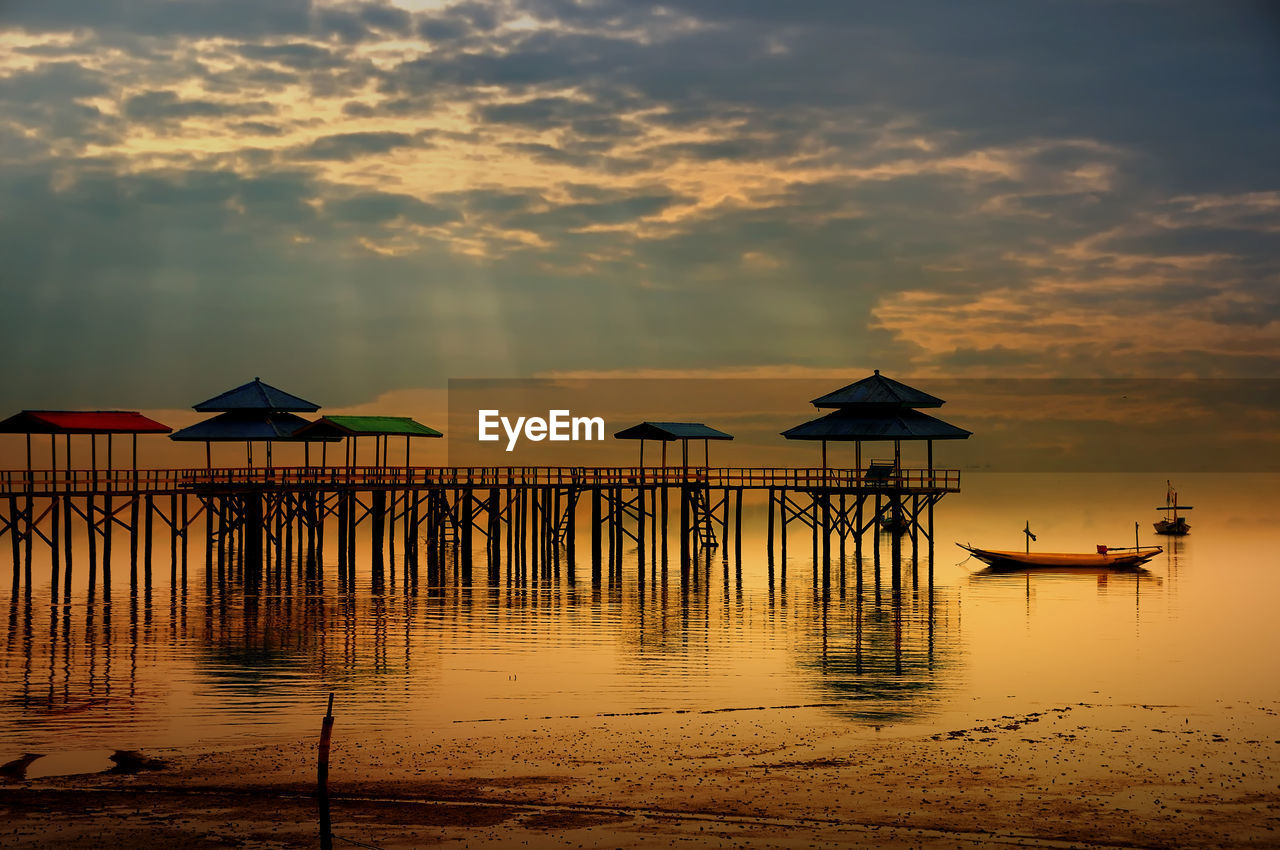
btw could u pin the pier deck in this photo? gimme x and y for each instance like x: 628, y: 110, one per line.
x: 126, y: 482
x: 255, y: 514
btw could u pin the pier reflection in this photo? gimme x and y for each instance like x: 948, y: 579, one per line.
x: 885, y: 651
x: 235, y: 651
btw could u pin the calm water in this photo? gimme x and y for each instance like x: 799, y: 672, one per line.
x: 208, y: 667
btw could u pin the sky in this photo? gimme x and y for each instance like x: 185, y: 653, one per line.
x: 357, y: 199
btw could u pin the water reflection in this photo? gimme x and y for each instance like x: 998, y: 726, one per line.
x: 885, y: 651
x: 237, y: 654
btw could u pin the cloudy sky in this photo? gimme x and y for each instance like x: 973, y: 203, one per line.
x: 356, y: 198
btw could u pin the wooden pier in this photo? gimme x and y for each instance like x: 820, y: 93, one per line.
x: 526, y: 518
x: 256, y: 519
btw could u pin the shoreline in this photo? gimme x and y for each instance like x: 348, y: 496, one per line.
x: 1065, y: 776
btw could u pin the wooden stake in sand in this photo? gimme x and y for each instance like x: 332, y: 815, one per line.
x: 322, y: 778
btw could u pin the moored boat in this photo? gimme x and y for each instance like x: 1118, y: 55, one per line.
x: 1115, y: 559
x: 1172, y: 524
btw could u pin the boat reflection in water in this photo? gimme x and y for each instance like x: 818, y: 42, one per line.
x: 1105, y: 579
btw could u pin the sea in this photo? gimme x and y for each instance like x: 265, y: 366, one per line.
x: 912, y: 638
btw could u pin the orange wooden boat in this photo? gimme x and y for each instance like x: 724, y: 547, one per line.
x: 1114, y: 559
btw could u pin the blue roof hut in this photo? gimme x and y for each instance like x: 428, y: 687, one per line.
x: 666, y: 432
x: 252, y: 412
x: 256, y: 396
x: 877, y: 409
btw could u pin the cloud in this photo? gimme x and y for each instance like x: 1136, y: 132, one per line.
x: 193, y: 18
x: 162, y: 106
x: 348, y: 146
x: 298, y: 55
x: 381, y: 208
x: 713, y: 184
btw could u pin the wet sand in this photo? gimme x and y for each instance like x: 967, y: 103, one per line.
x: 1059, y: 776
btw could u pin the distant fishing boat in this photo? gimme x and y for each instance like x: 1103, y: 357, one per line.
x: 1114, y: 559
x: 1172, y: 524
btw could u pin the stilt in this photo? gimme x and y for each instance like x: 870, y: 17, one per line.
x: 826, y: 533
x: 91, y: 511
x: 343, y: 508
x: 14, y: 543
x: 612, y: 527
x: 595, y: 535
x: 769, y: 537
x: 149, y: 510
x: 66, y: 547
x: 684, y: 527
x: 640, y: 535
x: 378, y: 528
x: 186, y: 531
x: 666, y: 523
x: 133, y: 542
x: 737, y: 525
x: 53, y: 547
x: 465, y: 517
x: 571, y: 536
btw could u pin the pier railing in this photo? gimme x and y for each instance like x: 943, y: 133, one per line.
x: 125, y: 481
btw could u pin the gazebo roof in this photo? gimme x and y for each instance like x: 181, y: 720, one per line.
x: 668, y: 431
x: 878, y: 390
x: 255, y: 395
x: 876, y: 423
x: 244, y: 426
x: 81, y: 422
x: 367, y: 426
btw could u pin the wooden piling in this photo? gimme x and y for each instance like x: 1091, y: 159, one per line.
x: 91, y: 523
x: 343, y: 507
x: 664, y: 522
x: 66, y: 547
x: 322, y: 778
x: 769, y: 533
x: 571, y: 535
x: 826, y: 531
x: 737, y: 525
x: 14, y: 543
x: 149, y: 510
x: 378, y: 527
x: 640, y: 535
x: 53, y: 546
x: 684, y: 526
x: 596, y: 519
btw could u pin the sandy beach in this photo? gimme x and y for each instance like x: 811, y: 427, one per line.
x: 1069, y: 776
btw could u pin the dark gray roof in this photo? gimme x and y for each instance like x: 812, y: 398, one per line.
x: 668, y: 431
x: 876, y: 423
x: 241, y: 426
x: 877, y: 389
x: 255, y: 395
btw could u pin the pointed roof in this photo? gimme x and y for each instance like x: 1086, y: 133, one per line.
x: 241, y: 425
x: 668, y: 431
x: 81, y: 422
x: 876, y: 423
x: 877, y: 389
x: 255, y: 395
x: 367, y: 426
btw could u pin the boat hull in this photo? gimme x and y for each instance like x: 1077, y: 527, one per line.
x: 1173, y: 528
x: 1004, y: 560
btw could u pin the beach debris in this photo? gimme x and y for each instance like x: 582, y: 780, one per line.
x: 132, y: 761
x: 17, y: 769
